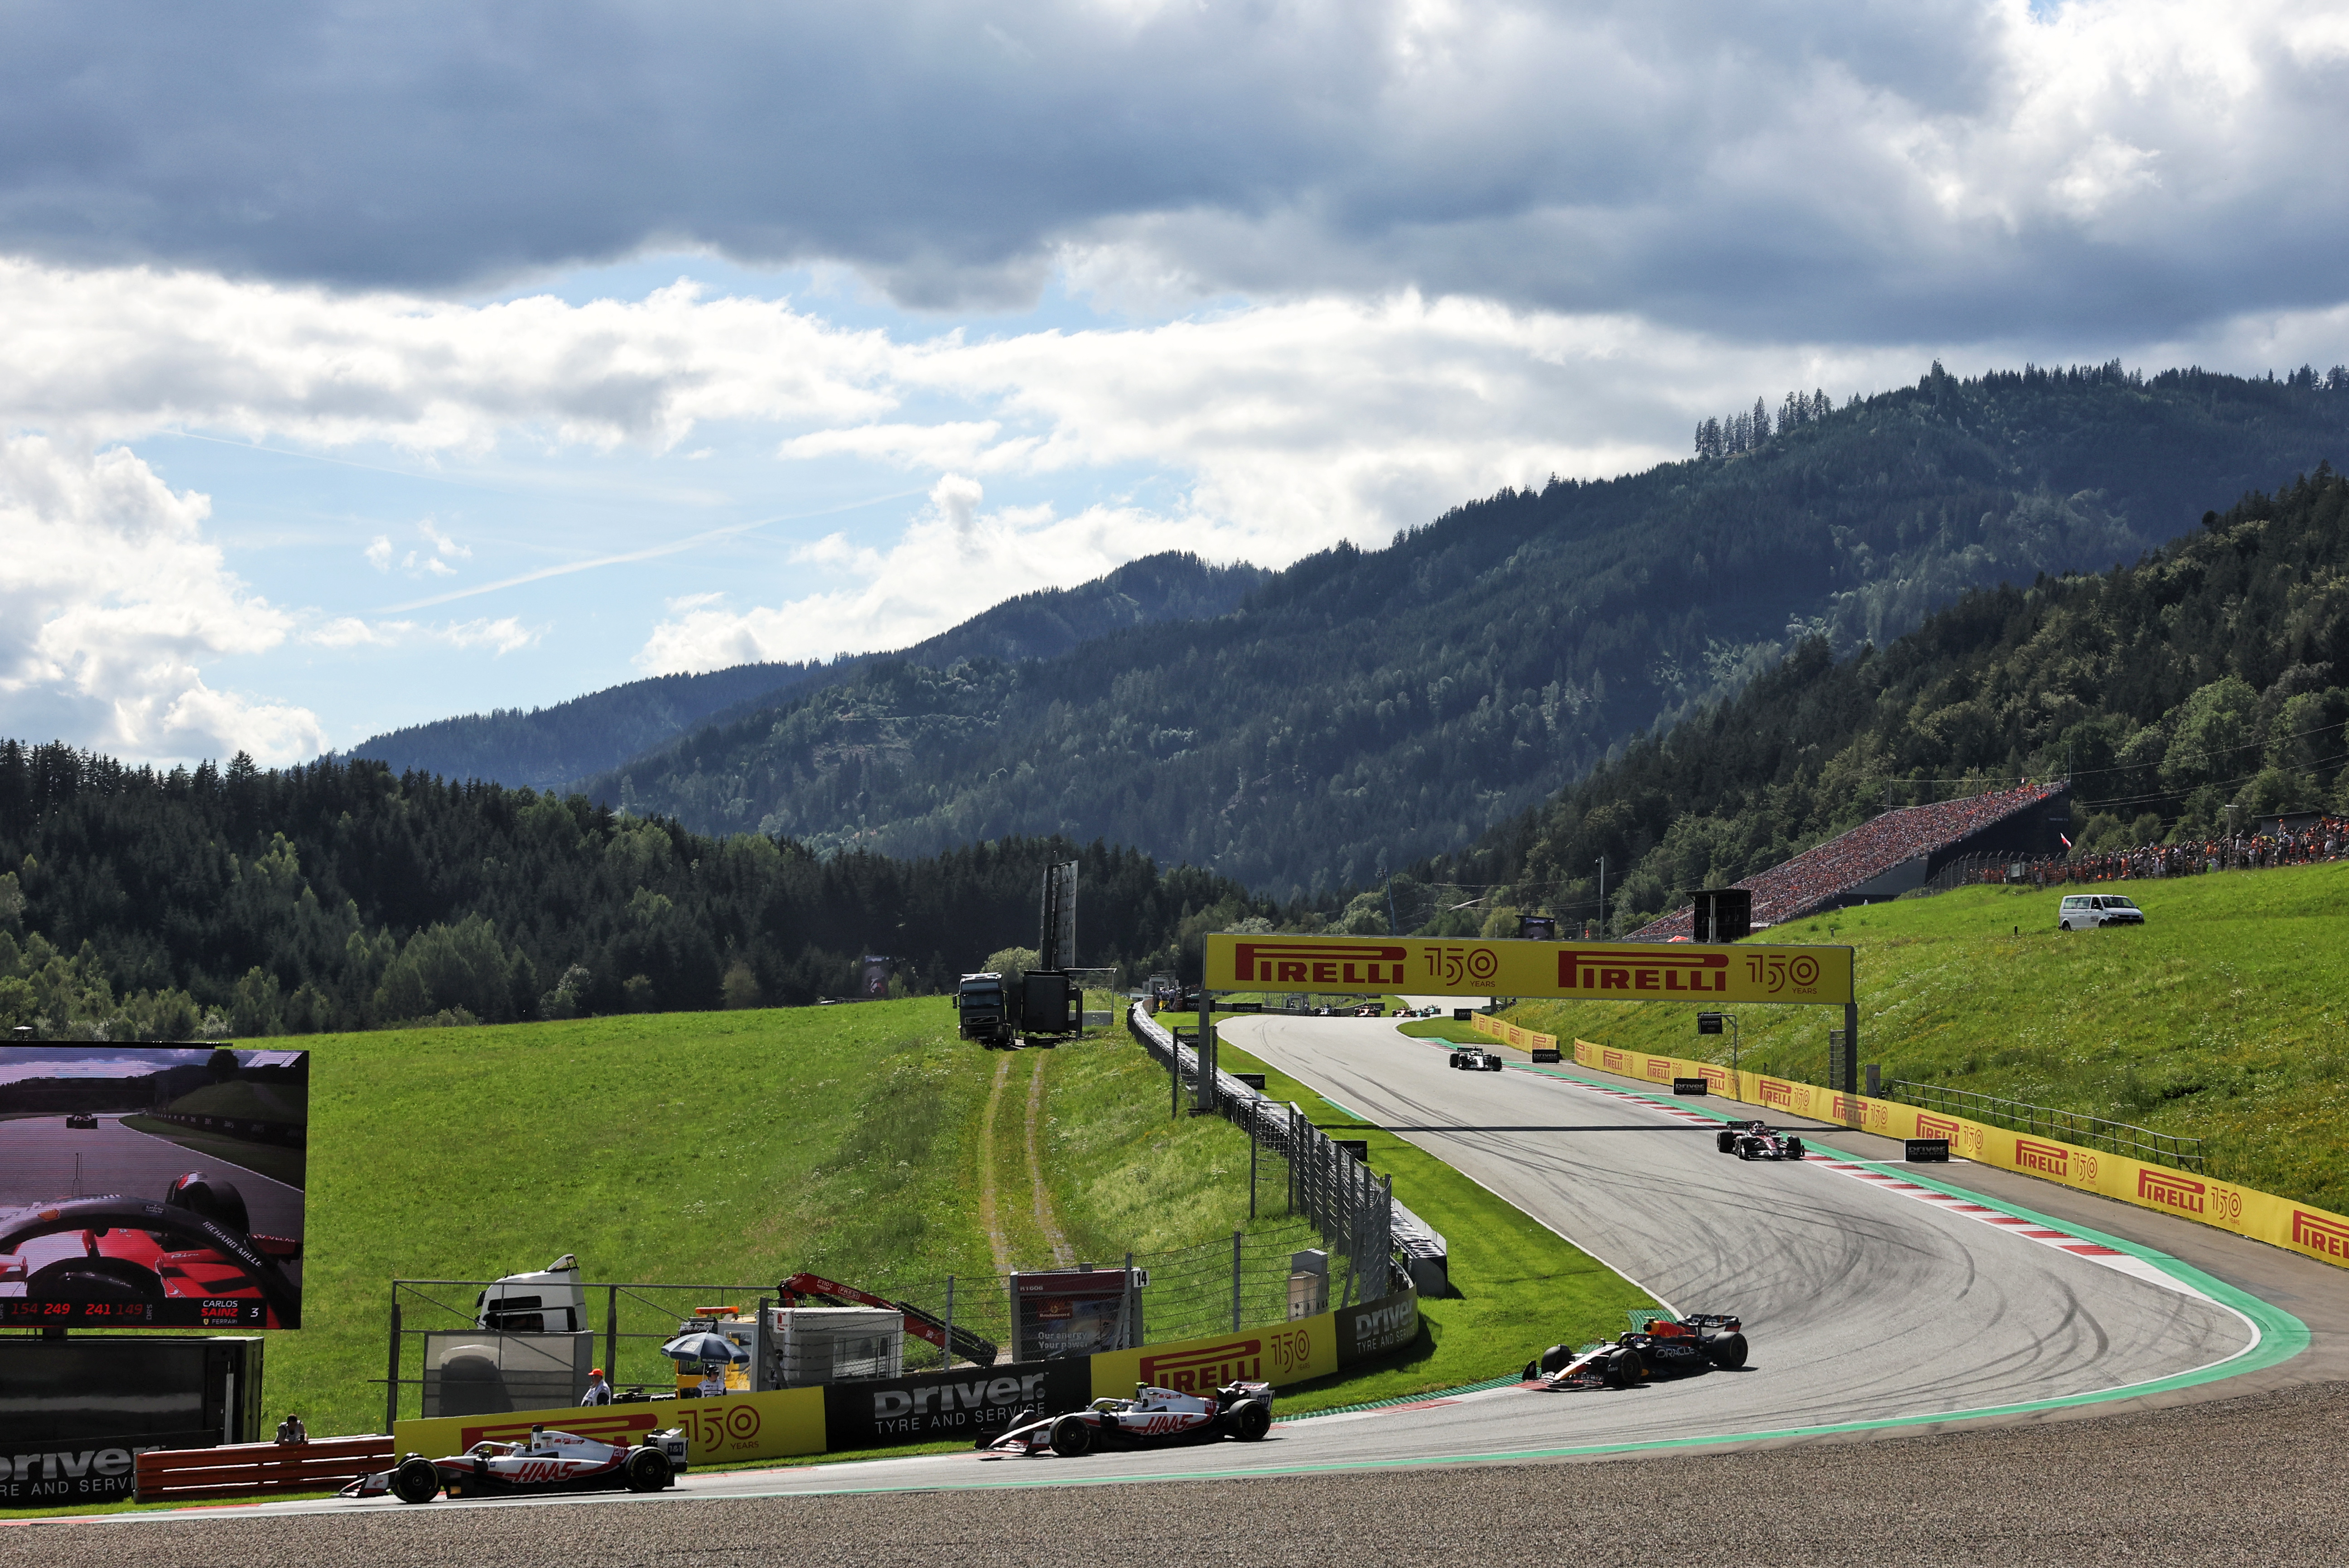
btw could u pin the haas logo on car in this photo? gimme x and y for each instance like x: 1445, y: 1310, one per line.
x: 1188, y: 1371
x: 1315, y: 963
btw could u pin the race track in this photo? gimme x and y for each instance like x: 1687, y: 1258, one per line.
x: 38, y: 1165
x: 1867, y: 1304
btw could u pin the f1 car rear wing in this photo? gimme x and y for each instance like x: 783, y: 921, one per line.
x: 923, y: 1324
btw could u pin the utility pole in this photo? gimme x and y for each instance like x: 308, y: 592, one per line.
x: 1602, y: 897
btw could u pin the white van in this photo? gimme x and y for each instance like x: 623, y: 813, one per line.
x: 2084, y: 911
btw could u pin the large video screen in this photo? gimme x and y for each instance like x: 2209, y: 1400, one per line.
x: 151, y: 1185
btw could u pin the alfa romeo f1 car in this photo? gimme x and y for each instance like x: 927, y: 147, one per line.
x: 544, y: 1461
x: 194, y: 1243
x: 1153, y: 1418
x: 1474, y: 1059
x: 1660, y: 1347
x: 1757, y: 1140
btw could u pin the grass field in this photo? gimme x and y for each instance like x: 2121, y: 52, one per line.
x: 2222, y: 1017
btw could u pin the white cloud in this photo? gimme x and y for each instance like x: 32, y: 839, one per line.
x: 378, y: 554
x: 504, y: 634
x: 441, y: 543
x: 111, y: 598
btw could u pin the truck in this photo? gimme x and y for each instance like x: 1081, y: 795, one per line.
x: 987, y: 1010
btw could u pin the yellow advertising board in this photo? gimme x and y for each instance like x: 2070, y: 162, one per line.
x: 721, y: 1430
x: 1277, y: 1353
x: 1588, y: 972
x: 2245, y: 1210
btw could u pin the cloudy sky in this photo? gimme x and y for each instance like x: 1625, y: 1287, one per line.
x: 366, y: 364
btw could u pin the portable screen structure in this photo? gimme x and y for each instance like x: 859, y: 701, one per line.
x: 151, y: 1186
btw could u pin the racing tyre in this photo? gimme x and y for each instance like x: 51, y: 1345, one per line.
x: 1795, y: 1148
x: 1554, y: 1357
x: 646, y: 1470
x: 1745, y: 1149
x: 1072, y: 1438
x: 1251, y: 1422
x: 415, y: 1480
x: 1726, y: 1141
x: 1728, y: 1352
x: 1624, y: 1368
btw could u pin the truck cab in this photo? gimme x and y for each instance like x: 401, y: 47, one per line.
x: 548, y: 1302
x: 985, y: 1009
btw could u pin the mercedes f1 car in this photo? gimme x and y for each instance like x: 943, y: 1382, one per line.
x: 195, y: 1243
x: 1474, y: 1059
x: 1757, y: 1140
x: 544, y: 1461
x: 1660, y: 1347
x: 1153, y: 1418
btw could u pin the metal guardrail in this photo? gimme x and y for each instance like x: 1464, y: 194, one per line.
x: 1353, y: 1207
x: 2064, y: 1126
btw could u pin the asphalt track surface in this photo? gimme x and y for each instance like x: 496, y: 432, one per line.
x: 1866, y: 1304
x: 36, y: 1166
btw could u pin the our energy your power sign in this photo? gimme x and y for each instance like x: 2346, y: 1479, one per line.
x: 1590, y: 972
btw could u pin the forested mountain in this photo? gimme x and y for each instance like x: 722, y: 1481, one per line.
x: 549, y: 747
x: 1370, y: 707
x: 2214, y: 671
x: 343, y: 895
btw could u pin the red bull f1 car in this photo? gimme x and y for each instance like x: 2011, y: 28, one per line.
x: 1153, y: 1418
x: 1758, y: 1140
x: 1660, y: 1347
x: 545, y: 1461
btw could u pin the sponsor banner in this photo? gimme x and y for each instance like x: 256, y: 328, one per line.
x: 958, y: 1403
x: 1530, y: 1041
x: 87, y: 1470
x: 721, y: 1430
x: 1600, y: 971
x: 1277, y: 1353
x: 1376, y: 1328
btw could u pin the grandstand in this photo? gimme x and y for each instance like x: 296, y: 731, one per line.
x: 1890, y: 854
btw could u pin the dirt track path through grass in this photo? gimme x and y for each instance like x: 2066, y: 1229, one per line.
x: 989, y: 1216
x: 1047, y: 1224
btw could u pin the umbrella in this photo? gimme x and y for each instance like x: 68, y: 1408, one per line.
x: 703, y: 1345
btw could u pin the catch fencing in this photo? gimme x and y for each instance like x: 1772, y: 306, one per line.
x: 1381, y: 1244
x: 2043, y: 1121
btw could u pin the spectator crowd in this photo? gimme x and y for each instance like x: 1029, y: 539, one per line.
x: 2322, y: 839
x: 1817, y: 878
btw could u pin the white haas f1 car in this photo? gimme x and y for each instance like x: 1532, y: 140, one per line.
x: 1153, y: 1418
x: 1660, y: 1347
x: 1757, y: 1141
x: 1474, y: 1059
x: 545, y: 1461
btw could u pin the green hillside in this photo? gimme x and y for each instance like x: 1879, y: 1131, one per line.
x: 2213, y: 673
x: 1368, y: 706
x: 2221, y: 1018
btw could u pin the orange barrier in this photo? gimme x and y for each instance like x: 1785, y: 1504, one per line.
x: 2247, y: 1211
x: 256, y: 1470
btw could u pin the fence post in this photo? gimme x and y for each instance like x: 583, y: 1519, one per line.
x: 391, y: 1373
x: 1254, y: 1107
x: 1127, y: 1338
x: 1236, y: 1279
x: 948, y: 1353
x: 612, y: 1335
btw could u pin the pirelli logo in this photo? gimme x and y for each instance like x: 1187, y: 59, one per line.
x: 2167, y: 1191
x: 1616, y: 1062
x: 1314, y: 964
x: 1775, y: 1093
x: 1660, y: 1068
x: 2320, y: 1233
x: 1650, y: 970
x: 2047, y: 1159
x: 614, y: 1428
x: 1937, y: 1127
x: 1208, y: 1367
